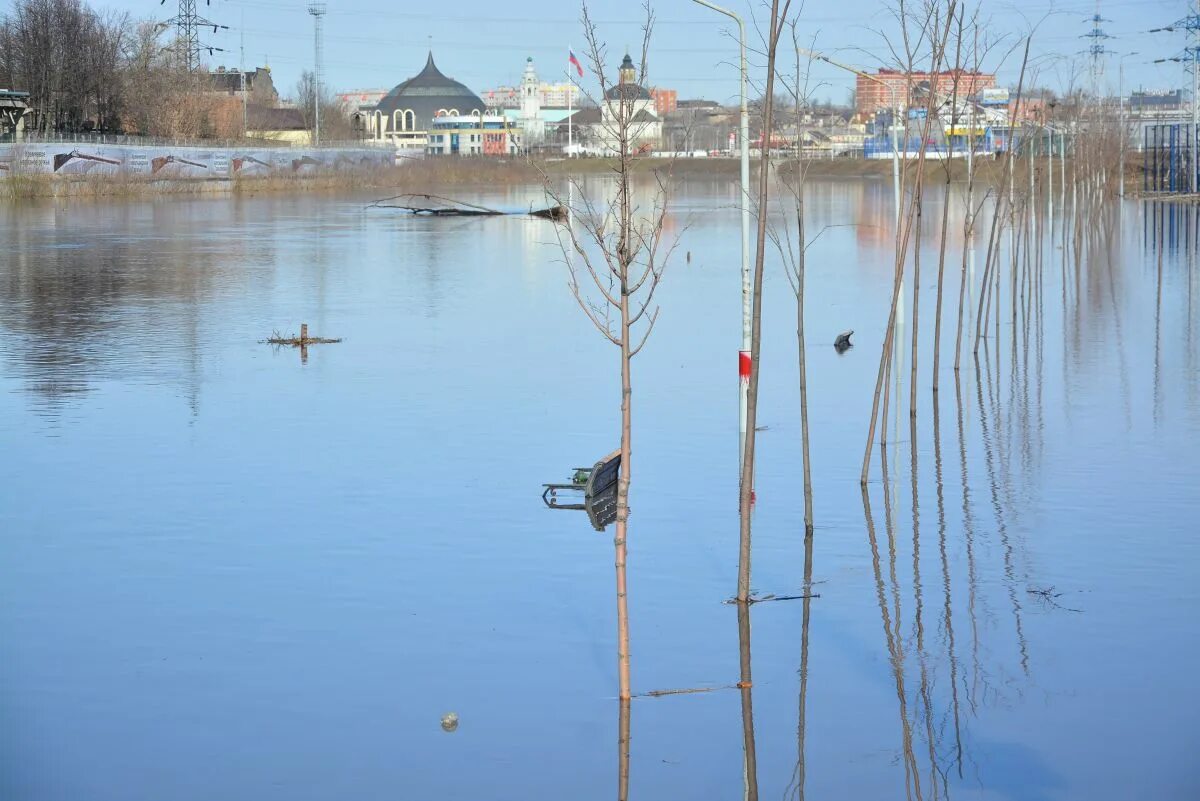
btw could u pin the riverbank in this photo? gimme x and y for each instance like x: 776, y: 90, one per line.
x: 421, y: 175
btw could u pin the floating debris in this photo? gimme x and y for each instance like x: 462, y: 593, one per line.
x: 302, y: 341
x: 439, y: 206
x: 450, y: 721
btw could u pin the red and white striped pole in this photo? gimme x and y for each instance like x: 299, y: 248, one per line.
x: 743, y: 397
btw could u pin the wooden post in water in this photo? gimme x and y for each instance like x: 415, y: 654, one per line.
x: 303, y: 333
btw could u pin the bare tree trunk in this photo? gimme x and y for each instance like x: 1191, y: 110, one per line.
x: 623, y: 503
x: 622, y: 279
x: 937, y: 314
x: 939, y: 38
x: 808, y: 497
x: 746, y: 685
x: 747, y: 484
x: 623, y: 738
x: 916, y: 298
x: 1008, y: 165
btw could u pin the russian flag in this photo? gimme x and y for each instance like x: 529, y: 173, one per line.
x: 571, y: 59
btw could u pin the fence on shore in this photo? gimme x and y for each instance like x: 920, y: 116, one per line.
x: 86, y: 155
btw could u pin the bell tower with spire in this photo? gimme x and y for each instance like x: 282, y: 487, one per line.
x: 628, y: 72
x: 533, y: 127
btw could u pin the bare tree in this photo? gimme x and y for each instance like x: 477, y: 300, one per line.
x: 335, y: 121
x: 68, y: 57
x: 775, y: 24
x: 616, y: 251
x: 793, y: 254
x: 923, y: 27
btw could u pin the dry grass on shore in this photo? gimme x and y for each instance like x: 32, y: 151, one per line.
x: 430, y: 174
x: 30, y: 186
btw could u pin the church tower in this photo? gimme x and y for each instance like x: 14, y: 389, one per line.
x: 533, y: 127
x: 628, y: 72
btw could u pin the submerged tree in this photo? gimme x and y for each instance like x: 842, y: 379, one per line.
x: 616, y: 251
x: 775, y: 23
x: 793, y: 252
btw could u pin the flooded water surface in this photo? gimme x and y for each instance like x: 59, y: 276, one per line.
x: 227, y: 571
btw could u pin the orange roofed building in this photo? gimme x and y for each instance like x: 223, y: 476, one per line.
x: 665, y: 101
x: 872, y: 95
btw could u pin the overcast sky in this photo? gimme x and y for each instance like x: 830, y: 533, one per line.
x: 377, y: 44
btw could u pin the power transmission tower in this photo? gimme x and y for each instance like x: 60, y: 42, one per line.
x: 317, y: 9
x: 1191, y: 53
x: 1096, y: 50
x: 187, y: 24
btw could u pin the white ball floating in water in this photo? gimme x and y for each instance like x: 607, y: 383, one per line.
x: 450, y: 721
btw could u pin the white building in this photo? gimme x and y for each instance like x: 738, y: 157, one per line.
x: 472, y: 134
x: 551, y: 96
x: 533, y: 126
x: 628, y: 100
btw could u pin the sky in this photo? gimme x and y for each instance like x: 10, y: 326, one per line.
x: 373, y: 44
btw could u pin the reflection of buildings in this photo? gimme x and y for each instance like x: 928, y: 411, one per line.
x: 74, y: 317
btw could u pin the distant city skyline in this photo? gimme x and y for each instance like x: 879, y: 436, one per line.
x: 370, y: 45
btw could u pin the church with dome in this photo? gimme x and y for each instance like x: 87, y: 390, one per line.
x: 599, y: 125
x: 433, y: 113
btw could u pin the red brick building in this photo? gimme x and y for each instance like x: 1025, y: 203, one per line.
x: 665, y: 100
x: 872, y: 95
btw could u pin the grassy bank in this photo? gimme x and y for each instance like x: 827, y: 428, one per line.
x: 423, y: 175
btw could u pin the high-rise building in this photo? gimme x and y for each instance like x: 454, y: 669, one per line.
x: 665, y: 100
x: 887, y: 88
x: 550, y: 95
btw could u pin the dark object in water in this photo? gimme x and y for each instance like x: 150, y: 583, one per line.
x: 438, y: 206
x: 843, y: 343
x: 599, y: 488
x: 554, y: 213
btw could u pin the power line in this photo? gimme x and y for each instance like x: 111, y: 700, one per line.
x: 1189, y: 25
x: 188, y: 24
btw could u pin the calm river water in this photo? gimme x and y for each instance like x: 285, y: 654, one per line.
x: 226, y: 573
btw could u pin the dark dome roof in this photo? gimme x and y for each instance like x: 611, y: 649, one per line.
x: 627, y: 91
x: 428, y: 92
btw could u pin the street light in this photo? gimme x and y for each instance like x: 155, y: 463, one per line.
x: 891, y: 87
x: 744, y: 353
